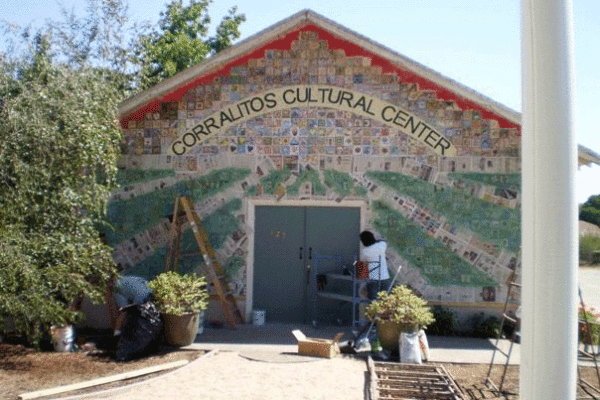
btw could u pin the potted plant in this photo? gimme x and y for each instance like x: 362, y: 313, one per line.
x: 181, y: 299
x: 398, y: 311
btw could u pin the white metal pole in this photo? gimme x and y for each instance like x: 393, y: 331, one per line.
x: 549, y: 210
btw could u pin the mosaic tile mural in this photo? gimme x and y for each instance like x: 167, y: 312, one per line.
x: 453, y: 219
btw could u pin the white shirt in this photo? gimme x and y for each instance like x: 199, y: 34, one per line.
x: 373, y: 254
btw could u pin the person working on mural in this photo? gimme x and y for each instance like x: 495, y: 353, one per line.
x: 124, y: 292
x: 136, y: 321
x: 373, y: 253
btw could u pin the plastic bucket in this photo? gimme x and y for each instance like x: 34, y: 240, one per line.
x: 362, y: 270
x: 258, y: 317
x: 62, y: 338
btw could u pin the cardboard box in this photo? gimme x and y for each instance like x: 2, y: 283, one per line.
x: 317, y: 347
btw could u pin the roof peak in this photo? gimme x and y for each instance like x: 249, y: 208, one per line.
x: 249, y: 47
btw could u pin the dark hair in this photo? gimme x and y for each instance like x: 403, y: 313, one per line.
x: 367, y: 238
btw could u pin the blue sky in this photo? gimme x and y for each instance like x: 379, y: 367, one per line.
x: 475, y: 42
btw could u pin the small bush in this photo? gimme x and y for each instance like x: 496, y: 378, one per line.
x: 589, y: 248
x: 444, y: 322
x: 484, y: 327
x: 400, y: 305
x: 179, y: 294
x: 589, y: 326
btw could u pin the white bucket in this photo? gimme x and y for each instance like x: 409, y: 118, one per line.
x: 259, y: 317
x: 62, y: 338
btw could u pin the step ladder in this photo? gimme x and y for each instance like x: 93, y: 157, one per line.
x: 184, y: 211
x: 587, y: 387
x: 515, y: 336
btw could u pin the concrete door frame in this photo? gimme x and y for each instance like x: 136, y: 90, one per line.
x: 249, y: 206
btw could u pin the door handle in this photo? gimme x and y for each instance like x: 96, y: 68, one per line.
x: 300, y: 254
x: 310, y: 253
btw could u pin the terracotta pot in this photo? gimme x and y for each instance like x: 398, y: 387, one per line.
x: 389, y: 333
x: 181, y: 330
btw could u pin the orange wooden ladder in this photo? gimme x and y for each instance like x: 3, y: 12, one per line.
x: 212, y: 267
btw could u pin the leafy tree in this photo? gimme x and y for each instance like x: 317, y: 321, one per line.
x: 589, y: 249
x: 590, y: 210
x: 104, y: 37
x: 182, y: 40
x: 59, y: 143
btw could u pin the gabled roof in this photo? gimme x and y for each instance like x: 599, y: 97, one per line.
x: 280, y: 36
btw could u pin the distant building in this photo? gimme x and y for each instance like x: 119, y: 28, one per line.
x: 588, y: 229
x: 587, y: 157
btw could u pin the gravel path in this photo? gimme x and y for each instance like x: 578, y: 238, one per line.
x: 227, y: 375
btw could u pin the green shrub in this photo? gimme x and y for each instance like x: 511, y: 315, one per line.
x: 59, y: 146
x: 589, y: 249
x: 590, y: 210
x: 589, y: 326
x: 179, y: 294
x: 444, y: 322
x: 484, y: 327
x: 400, y: 305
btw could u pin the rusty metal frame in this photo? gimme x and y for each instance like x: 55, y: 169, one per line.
x: 396, y: 381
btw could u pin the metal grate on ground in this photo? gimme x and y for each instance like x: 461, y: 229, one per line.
x: 395, y: 381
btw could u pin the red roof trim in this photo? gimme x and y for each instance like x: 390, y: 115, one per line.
x: 334, y: 42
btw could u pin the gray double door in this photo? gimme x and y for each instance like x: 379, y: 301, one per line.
x: 287, y: 242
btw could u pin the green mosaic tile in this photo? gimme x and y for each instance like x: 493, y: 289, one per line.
x: 501, y: 181
x: 222, y: 223
x: 340, y: 182
x: 438, y: 266
x: 309, y: 175
x: 219, y: 226
x: 132, y: 216
x: 494, y: 224
x: 129, y: 176
x: 233, y: 265
x: 271, y: 182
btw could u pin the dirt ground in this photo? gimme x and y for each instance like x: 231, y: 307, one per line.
x: 24, y: 370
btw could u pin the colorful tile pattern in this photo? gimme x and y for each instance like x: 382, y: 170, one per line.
x: 453, y: 220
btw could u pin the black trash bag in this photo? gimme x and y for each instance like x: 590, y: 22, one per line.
x: 141, y: 333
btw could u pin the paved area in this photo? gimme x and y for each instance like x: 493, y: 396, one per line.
x: 278, y: 338
x: 261, y: 362
x: 589, y: 281
x: 243, y: 359
x: 227, y: 376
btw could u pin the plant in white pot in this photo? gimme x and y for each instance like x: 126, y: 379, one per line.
x: 181, y: 299
x: 398, y: 311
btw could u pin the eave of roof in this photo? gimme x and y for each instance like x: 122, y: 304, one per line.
x: 586, y: 156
